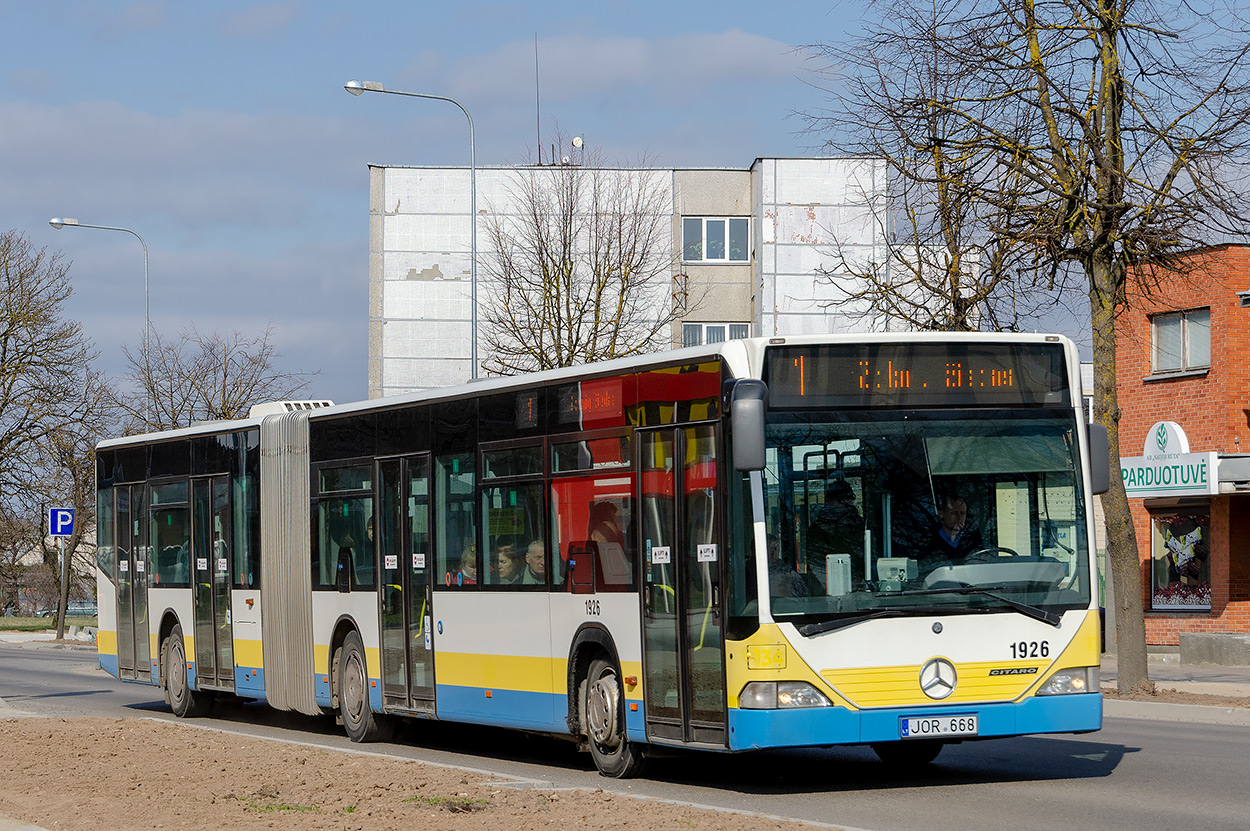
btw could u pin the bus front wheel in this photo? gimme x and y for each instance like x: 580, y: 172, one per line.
x: 604, y: 707
x: 359, y: 721
x: 185, y: 702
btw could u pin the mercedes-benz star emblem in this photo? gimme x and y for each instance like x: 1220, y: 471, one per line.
x: 938, y: 678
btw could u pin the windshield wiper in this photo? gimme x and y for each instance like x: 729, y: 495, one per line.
x: 809, y: 629
x: 991, y: 591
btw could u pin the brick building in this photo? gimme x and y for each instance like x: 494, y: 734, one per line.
x: 1183, y: 379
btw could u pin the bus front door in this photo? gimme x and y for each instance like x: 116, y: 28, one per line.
x: 212, y: 556
x: 683, y: 666
x: 134, y: 654
x: 404, y: 529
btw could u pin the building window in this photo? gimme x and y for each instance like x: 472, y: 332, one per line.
x: 714, y: 239
x: 1182, y: 340
x: 697, y: 334
x: 1180, y: 567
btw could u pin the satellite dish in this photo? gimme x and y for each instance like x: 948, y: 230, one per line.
x: 577, y: 141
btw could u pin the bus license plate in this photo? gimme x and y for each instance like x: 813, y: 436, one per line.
x: 927, y: 727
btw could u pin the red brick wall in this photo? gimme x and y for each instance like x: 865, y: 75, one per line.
x: 1210, y: 408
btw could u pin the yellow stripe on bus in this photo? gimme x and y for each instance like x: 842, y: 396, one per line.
x: 519, y: 673
x: 248, y: 653
x: 106, y: 642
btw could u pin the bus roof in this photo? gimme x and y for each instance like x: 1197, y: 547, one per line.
x: 747, y: 354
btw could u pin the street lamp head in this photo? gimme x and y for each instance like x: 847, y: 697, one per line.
x: 60, y: 222
x: 357, y: 87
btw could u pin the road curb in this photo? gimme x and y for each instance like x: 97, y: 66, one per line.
x: 7, y: 824
x: 1179, y: 713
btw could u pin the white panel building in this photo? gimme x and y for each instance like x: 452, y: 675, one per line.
x: 747, y: 248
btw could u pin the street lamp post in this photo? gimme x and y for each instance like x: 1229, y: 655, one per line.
x: 358, y: 87
x: 63, y: 222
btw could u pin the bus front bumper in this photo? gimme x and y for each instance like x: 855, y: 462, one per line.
x: 820, y: 726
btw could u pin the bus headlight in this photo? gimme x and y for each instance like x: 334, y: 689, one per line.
x: 773, y: 695
x: 1069, y: 681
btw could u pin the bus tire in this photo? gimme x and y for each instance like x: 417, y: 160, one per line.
x: 359, y: 721
x: 185, y: 702
x: 909, y: 755
x: 604, y: 708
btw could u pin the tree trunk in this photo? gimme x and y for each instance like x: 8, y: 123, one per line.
x: 1130, y: 626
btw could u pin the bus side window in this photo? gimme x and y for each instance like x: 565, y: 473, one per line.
x: 458, y: 562
x: 595, y: 512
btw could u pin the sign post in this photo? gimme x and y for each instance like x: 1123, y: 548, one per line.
x: 60, y: 526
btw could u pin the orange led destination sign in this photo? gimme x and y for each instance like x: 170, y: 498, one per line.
x: 916, y: 374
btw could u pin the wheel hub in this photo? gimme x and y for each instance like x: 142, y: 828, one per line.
x: 601, y: 707
x: 353, y: 687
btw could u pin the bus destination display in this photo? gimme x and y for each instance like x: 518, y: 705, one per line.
x: 916, y: 374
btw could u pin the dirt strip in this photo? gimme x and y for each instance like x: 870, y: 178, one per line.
x: 111, y: 773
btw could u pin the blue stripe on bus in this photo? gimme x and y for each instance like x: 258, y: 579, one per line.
x: 108, y: 663
x: 506, y: 708
x: 248, y: 685
x: 751, y: 729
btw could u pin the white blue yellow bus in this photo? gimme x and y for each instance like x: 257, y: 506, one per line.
x: 800, y: 541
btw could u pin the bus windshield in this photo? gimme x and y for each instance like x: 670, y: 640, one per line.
x: 923, y: 511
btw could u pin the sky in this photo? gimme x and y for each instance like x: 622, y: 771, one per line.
x: 221, y: 133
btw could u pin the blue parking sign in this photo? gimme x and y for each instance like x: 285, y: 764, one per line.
x: 60, y: 522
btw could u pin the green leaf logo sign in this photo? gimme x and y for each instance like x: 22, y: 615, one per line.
x: 1161, y: 438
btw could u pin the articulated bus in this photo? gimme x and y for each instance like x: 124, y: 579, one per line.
x: 764, y: 543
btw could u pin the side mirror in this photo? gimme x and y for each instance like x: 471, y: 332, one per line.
x: 1099, y: 459
x: 746, y: 421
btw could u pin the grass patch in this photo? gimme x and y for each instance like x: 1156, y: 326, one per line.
x: 263, y: 807
x: 29, y: 624
x: 454, y: 804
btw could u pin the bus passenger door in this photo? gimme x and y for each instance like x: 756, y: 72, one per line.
x: 683, y: 666
x: 407, y: 643
x: 211, y: 552
x: 134, y: 654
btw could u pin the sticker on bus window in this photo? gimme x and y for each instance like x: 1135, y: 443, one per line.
x: 223, y: 564
x: 139, y: 566
x: 707, y: 553
x: 428, y: 641
x: 418, y: 559
x: 201, y: 563
x: 123, y: 565
x: 660, y: 555
x: 392, y: 561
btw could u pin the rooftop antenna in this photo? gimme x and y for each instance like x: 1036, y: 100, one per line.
x: 538, y: 119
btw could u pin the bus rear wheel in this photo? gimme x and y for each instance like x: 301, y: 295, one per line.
x: 604, y: 706
x: 185, y: 702
x: 359, y: 721
x: 909, y: 755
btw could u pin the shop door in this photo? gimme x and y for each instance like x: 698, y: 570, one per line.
x: 683, y: 668
x: 212, y: 552
x: 407, y: 643
x: 134, y: 657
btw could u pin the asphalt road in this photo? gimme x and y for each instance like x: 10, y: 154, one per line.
x: 1135, y: 774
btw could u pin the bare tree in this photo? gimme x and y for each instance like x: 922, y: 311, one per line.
x: 194, y: 377
x: 580, y: 267
x: 1125, y: 122
x: 44, y: 358
x: 19, y: 535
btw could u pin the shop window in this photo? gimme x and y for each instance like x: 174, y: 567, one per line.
x: 714, y: 239
x: 1182, y: 341
x: 1180, y: 566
